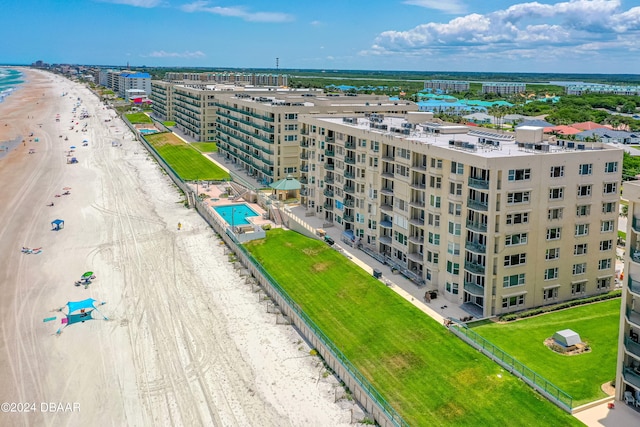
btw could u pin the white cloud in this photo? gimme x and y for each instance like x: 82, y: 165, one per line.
x: 236, y: 12
x: 519, y: 30
x: 186, y: 54
x: 136, y: 3
x: 453, y: 7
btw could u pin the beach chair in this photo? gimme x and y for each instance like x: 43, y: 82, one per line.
x: 629, y: 399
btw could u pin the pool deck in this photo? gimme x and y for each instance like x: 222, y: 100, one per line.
x: 217, y: 196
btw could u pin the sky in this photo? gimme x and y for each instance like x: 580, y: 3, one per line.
x: 570, y: 36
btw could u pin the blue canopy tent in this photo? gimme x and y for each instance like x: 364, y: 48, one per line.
x: 57, y: 224
x: 79, y: 311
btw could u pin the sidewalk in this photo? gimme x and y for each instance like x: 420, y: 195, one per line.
x: 601, y: 415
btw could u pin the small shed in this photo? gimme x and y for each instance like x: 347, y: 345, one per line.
x: 57, y: 224
x: 567, y: 338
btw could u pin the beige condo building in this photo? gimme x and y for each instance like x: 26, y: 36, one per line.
x: 492, y: 222
x: 628, y: 372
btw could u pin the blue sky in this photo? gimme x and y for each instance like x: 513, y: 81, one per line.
x: 572, y: 36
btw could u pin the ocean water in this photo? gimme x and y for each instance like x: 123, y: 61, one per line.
x: 9, y: 80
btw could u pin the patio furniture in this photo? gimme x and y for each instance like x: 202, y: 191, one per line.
x: 628, y: 398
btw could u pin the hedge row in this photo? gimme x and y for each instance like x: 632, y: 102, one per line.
x: 568, y: 304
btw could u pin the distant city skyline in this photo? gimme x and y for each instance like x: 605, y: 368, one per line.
x: 573, y: 36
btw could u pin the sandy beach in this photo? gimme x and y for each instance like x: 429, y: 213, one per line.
x: 186, y: 341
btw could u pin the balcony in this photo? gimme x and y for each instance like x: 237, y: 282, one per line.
x: 329, y: 166
x: 328, y: 180
x: 475, y: 247
x: 633, y: 317
x: 416, y: 239
x: 349, y: 189
x: 327, y: 207
x: 385, y: 240
x: 632, y: 347
x: 474, y: 267
x: 329, y: 153
x: 386, y: 208
x: 416, y: 257
x: 386, y: 223
x: 348, y: 218
x: 350, y: 160
x: 349, y: 175
x: 348, y: 203
x: 350, y: 145
x: 631, y: 376
x: 304, y: 156
x: 634, y: 286
x: 416, y: 221
x: 474, y: 289
x: 418, y: 185
x: 328, y: 193
x: 417, y: 203
x: 477, y: 205
x: 481, y: 184
x: 477, y: 226
x: 387, y: 190
x: 329, y: 139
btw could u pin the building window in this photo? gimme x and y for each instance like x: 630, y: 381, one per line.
x: 611, y: 167
x: 455, y: 209
x: 519, y: 174
x: 609, y: 207
x: 455, y: 188
x: 453, y: 248
x: 452, y: 288
x: 550, y: 294
x: 551, y: 273
x: 585, y: 169
x: 454, y: 228
x: 435, y: 181
x: 604, y: 264
x: 610, y: 187
x: 606, y: 245
x: 556, y: 193
x: 516, y: 301
x: 434, y: 201
x: 518, y: 197
x: 579, y: 268
x: 436, y: 163
x: 603, y: 283
x: 583, y: 210
x: 433, y: 219
x: 580, y: 249
x: 606, y: 226
x: 518, y: 218
x: 433, y: 238
x: 457, y: 168
x: 513, y: 280
x: 516, y: 259
x: 553, y: 233
x: 552, y: 253
x: 578, y: 288
x: 453, y: 267
x: 582, y: 230
x: 557, y: 171
x: 432, y: 257
x: 515, y: 239
x: 555, y: 213
x: 584, y: 190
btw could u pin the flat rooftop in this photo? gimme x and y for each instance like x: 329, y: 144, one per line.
x: 480, y: 142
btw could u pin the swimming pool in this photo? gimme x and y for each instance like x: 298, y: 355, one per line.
x: 240, y: 213
x: 148, y: 131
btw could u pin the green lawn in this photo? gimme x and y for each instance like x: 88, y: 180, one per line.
x: 427, y: 374
x: 188, y: 162
x: 581, y: 375
x: 136, y: 118
x: 169, y: 123
x: 205, y: 147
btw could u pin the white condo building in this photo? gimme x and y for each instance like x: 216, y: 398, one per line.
x: 491, y: 222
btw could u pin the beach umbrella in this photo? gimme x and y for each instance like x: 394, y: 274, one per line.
x: 87, y: 275
x: 85, y: 140
x: 72, y: 147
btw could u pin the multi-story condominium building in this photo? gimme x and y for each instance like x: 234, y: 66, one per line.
x: 583, y: 88
x: 136, y: 81
x: 259, y: 131
x: 447, y: 85
x: 628, y: 372
x: 503, y: 88
x: 162, y: 97
x: 493, y: 223
x: 254, y: 79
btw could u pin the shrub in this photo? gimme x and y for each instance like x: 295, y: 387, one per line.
x: 266, y: 227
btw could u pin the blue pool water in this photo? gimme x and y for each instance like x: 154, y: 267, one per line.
x: 148, y: 131
x: 240, y: 213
